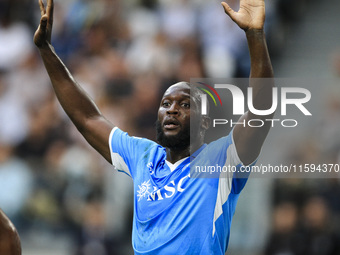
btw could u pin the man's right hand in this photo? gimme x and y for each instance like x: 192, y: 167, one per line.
x: 42, y: 36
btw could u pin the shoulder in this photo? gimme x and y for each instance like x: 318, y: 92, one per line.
x: 223, y: 142
x: 121, y: 137
x: 224, y: 149
x: 9, y: 237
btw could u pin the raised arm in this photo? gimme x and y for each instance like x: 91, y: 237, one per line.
x: 77, y: 104
x: 250, y: 18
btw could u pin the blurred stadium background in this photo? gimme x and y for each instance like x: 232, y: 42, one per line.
x: 66, y: 200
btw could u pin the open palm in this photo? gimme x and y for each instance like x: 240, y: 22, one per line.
x: 251, y: 14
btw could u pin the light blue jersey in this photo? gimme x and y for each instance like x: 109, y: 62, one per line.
x: 173, y: 213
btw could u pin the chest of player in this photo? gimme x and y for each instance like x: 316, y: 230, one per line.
x: 168, y: 196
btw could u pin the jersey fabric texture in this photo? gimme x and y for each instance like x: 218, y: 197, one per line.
x: 175, y: 213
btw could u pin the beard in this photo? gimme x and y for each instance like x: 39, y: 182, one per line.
x: 175, y: 142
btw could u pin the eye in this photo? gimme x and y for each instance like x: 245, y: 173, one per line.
x: 166, y: 104
x: 186, y: 105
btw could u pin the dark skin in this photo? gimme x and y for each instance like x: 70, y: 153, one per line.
x: 175, y: 111
x: 96, y: 128
x: 9, y: 238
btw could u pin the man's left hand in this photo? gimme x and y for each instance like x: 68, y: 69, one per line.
x: 251, y: 14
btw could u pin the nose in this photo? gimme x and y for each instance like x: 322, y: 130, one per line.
x: 173, y: 109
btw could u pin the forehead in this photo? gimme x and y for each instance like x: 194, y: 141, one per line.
x: 181, y: 89
x: 177, y: 89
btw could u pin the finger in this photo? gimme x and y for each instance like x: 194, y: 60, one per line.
x: 43, y: 23
x: 49, y: 10
x: 228, y: 10
x: 42, y: 7
x: 40, y: 34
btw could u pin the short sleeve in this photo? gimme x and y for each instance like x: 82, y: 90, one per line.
x: 127, y: 150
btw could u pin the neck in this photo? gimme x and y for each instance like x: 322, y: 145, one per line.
x: 173, y: 155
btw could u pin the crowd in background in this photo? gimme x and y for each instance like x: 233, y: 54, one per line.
x: 125, y: 54
x: 306, y: 212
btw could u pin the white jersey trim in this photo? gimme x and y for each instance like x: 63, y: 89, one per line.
x: 225, y: 182
x: 117, y: 161
x: 175, y: 165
